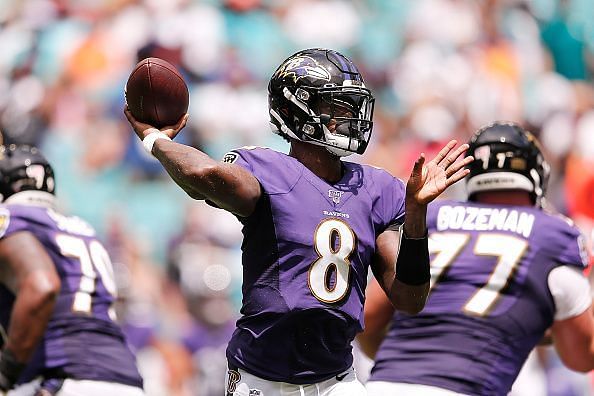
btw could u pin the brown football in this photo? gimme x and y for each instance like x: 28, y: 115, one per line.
x: 156, y: 93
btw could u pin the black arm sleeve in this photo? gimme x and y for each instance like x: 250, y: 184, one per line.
x: 412, y: 265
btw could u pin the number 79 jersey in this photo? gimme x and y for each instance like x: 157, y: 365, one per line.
x: 81, y: 340
x: 306, y: 252
x: 489, y: 303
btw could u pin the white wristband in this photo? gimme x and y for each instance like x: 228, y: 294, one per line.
x: 149, y: 140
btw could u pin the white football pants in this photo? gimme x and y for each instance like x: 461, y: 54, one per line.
x: 240, y: 383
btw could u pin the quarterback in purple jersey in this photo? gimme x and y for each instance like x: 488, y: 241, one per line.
x: 56, y: 293
x: 503, y: 271
x: 313, y: 225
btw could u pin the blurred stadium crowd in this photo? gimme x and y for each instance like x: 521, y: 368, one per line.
x: 438, y: 68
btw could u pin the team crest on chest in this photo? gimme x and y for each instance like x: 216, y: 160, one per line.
x: 335, y: 195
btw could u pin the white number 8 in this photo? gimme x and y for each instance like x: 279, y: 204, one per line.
x: 331, y: 261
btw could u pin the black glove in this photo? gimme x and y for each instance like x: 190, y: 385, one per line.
x: 10, y: 370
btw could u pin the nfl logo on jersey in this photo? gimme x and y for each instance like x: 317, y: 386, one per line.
x: 335, y: 195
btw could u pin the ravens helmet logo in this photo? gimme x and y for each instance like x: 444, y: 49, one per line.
x: 303, y: 66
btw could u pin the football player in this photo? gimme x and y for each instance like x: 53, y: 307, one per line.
x: 312, y: 226
x: 56, y: 293
x: 503, y: 270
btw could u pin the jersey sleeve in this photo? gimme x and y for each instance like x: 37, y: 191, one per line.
x: 575, y: 252
x: 274, y: 170
x: 11, y: 221
x: 570, y: 290
x: 390, y: 206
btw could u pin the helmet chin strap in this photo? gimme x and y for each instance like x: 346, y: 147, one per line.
x: 338, y: 143
x: 283, y: 126
x: 338, y: 152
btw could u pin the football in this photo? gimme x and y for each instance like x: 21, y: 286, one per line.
x: 156, y: 93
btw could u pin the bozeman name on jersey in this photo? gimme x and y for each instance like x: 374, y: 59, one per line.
x: 469, y: 218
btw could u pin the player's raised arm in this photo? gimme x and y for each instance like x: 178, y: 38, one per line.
x: 28, y: 271
x: 229, y: 186
x: 407, y: 282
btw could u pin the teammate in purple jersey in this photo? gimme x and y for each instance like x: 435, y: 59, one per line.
x: 56, y: 293
x: 503, y: 271
x: 312, y: 226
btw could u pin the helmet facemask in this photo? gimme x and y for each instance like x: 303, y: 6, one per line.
x: 340, y: 119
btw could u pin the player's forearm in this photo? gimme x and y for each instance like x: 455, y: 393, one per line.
x: 32, y: 310
x: 577, y: 356
x: 405, y: 298
x: 408, y: 298
x: 403, y: 271
x: 574, y: 341
x: 411, y: 282
x: 230, y: 187
x: 415, y: 224
x: 184, y: 163
x: 370, y: 343
x: 410, y: 287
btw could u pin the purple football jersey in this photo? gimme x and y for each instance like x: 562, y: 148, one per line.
x: 306, y: 252
x: 81, y: 340
x: 489, y: 303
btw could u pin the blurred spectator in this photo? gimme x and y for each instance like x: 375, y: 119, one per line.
x: 201, y: 266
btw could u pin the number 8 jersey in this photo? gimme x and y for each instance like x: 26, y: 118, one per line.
x: 306, y: 252
x: 81, y: 340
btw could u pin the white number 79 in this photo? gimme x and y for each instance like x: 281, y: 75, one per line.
x: 93, y: 259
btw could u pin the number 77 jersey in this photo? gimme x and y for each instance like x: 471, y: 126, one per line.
x: 81, y: 341
x: 490, y: 301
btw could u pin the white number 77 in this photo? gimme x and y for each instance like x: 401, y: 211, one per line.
x: 509, y: 250
x: 91, y: 258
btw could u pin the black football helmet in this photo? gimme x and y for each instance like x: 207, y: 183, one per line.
x: 506, y: 157
x: 24, y: 168
x: 316, y: 88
